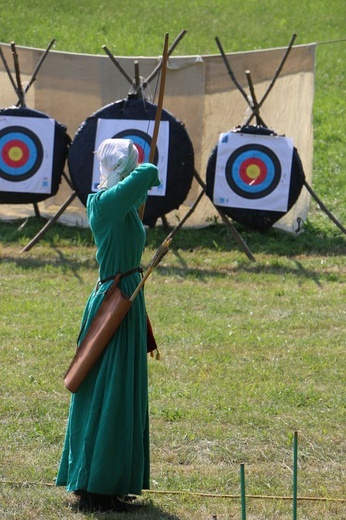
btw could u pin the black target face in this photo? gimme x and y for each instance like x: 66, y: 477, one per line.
x: 142, y: 141
x: 253, y: 171
x: 21, y: 153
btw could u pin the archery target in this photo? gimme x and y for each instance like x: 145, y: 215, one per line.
x: 258, y: 173
x: 21, y: 153
x: 140, y: 132
x: 24, y: 165
x: 253, y: 171
x: 142, y: 141
x: 134, y: 118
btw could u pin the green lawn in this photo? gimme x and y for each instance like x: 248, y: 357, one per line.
x: 251, y: 351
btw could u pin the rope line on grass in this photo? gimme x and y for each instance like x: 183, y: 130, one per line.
x: 193, y: 493
x: 262, y: 497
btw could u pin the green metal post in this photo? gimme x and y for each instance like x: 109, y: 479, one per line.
x: 295, y: 474
x: 242, y: 492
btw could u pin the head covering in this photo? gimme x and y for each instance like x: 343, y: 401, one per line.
x: 118, y: 158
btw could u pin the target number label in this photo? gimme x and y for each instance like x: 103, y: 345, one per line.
x: 21, y: 153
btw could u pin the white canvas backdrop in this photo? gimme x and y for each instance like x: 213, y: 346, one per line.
x: 199, y: 92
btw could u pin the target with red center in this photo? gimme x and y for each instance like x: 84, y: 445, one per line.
x: 134, y: 119
x: 33, y: 151
x: 21, y: 153
x: 253, y: 171
x: 140, y: 133
x: 254, y: 176
x: 141, y: 140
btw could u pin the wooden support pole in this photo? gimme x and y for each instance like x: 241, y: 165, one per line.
x: 230, y: 71
x: 323, y: 207
x: 254, y: 103
x: 117, y: 64
x: 276, y: 75
x: 49, y: 223
x: 187, y: 215
x: 8, y: 71
x: 230, y: 226
x: 170, y: 51
x: 37, y: 210
x: 38, y: 66
x: 20, y: 91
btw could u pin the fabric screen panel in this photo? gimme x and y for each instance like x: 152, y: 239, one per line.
x: 199, y: 92
x: 291, y: 96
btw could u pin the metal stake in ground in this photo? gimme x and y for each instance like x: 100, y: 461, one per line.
x: 242, y: 492
x: 295, y: 475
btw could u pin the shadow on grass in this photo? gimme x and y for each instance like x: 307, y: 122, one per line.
x: 314, y: 240
x: 65, y: 264
x: 21, y: 232
x: 215, y: 238
x: 204, y: 274
x: 146, y: 512
x: 274, y: 242
x: 296, y: 269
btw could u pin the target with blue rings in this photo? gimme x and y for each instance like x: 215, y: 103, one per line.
x: 253, y: 171
x: 21, y: 153
x: 253, y: 177
x: 131, y: 118
x: 142, y: 141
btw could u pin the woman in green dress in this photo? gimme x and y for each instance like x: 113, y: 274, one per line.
x: 106, y: 450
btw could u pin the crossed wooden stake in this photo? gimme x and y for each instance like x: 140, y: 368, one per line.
x: 255, y: 108
x: 137, y: 85
x: 18, y: 88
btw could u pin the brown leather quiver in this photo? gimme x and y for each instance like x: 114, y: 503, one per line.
x: 110, y: 314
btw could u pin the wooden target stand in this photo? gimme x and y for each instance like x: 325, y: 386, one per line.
x: 21, y: 93
x: 138, y: 85
x: 255, y: 106
x: 137, y: 88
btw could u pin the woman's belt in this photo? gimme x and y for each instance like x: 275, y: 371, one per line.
x: 109, y: 278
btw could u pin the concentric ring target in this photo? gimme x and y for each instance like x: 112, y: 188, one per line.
x: 180, y: 154
x: 21, y: 153
x: 253, y: 171
x: 142, y: 141
x: 24, y: 154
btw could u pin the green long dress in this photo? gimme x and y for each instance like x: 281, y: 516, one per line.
x: 106, y: 447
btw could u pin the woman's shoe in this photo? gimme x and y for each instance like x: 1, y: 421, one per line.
x: 89, y: 502
x: 119, y: 505
x: 85, y: 503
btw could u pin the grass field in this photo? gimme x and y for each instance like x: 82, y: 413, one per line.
x: 252, y: 351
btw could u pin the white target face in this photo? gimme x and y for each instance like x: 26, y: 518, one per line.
x: 26, y: 154
x: 253, y: 171
x: 140, y: 132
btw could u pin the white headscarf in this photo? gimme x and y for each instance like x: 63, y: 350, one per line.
x: 118, y: 158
